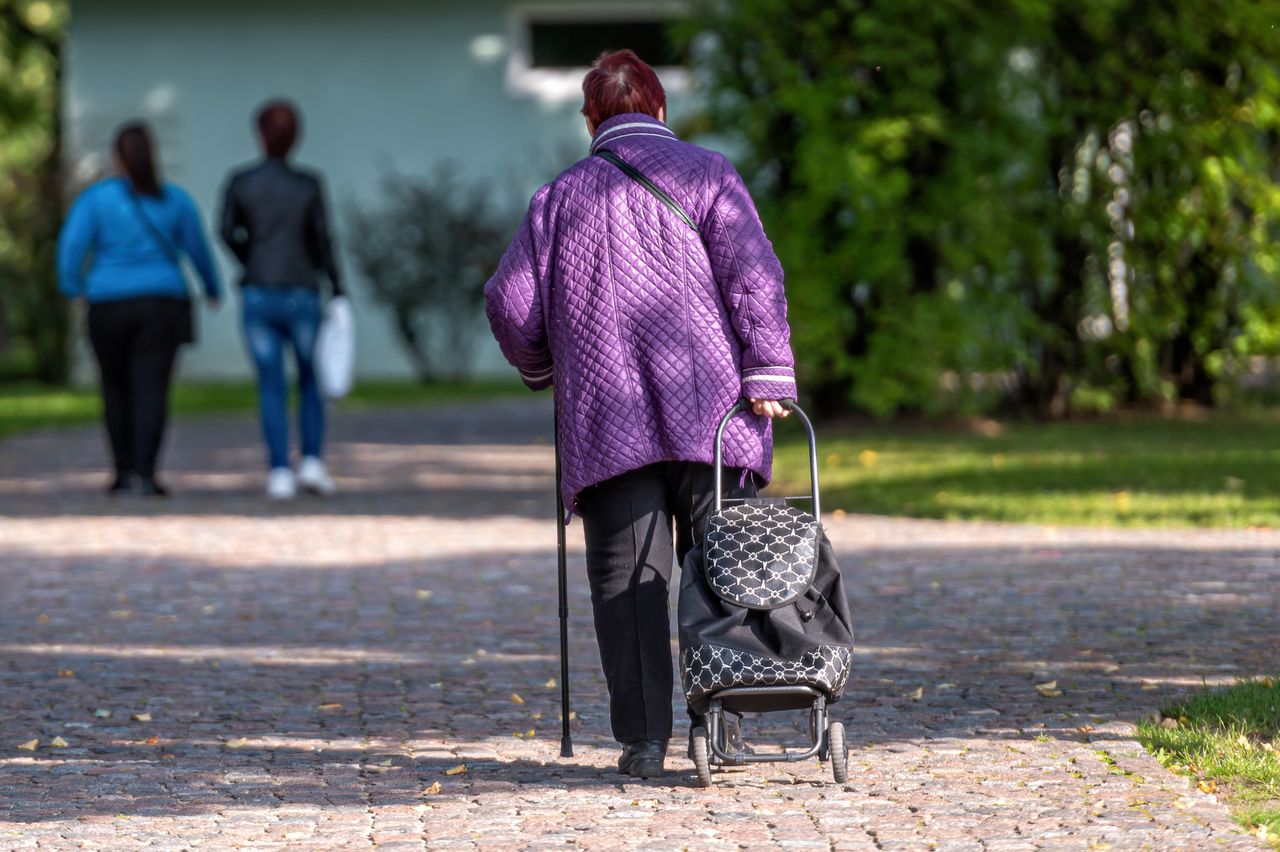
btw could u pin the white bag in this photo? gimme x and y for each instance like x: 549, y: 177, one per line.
x: 335, y: 354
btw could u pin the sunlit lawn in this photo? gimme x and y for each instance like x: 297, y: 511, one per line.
x: 1142, y: 470
x: 34, y: 406
x: 1228, y: 741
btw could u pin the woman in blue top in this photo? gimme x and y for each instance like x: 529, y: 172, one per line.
x: 120, y: 251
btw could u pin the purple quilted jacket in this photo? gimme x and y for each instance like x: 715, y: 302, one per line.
x: 649, y: 330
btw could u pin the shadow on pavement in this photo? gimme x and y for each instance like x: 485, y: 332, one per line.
x: 297, y: 683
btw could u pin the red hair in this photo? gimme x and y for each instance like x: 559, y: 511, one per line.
x: 278, y: 126
x: 620, y: 82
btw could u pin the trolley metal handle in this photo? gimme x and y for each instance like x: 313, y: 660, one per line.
x: 790, y: 405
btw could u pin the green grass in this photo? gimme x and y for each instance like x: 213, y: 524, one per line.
x: 1228, y: 741
x: 1220, y: 470
x: 36, y: 407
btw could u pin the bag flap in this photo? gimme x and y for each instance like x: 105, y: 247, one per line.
x: 761, y: 555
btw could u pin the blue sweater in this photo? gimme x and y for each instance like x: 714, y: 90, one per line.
x: 127, y: 259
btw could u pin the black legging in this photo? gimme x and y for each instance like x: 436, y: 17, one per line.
x: 135, y: 341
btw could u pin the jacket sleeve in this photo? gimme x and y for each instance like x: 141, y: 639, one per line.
x: 514, y: 306
x: 234, y: 228
x: 319, y: 239
x: 749, y: 276
x: 194, y: 243
x: 74, y: 244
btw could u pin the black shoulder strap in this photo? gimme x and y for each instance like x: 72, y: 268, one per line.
x: 159, y: 238
x: 639, y: 178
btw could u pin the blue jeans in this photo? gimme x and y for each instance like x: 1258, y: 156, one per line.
x: 273, y: 316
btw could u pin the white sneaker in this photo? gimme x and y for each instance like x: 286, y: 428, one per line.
x: 281, y: 484
x: 313, y: 476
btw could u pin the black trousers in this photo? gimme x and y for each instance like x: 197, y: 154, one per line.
x: 629, y: 522
x: 135, y: 342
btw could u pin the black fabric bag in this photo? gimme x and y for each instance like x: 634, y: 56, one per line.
x: 762, y: 602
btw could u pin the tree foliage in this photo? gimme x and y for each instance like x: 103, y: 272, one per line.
x: 1055, y: 205
x: 425, y: 253
x: 34, y: 321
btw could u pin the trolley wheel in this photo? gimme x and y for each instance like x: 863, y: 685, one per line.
x: 702, y: 756
x: 839, y: 752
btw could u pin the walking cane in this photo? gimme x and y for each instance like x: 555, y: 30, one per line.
x: 566, y: 740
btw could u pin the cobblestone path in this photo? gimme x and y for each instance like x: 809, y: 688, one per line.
x: 225, y: 673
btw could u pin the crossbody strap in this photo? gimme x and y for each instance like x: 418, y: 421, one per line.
x: 639, y: 178
x: 159, y: 238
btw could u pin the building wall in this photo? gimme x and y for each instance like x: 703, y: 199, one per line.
x: 385, y: 86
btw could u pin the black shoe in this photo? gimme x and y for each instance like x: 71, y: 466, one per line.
x: 643, y: 759
x: 122, y: 484
x: 151, y: 487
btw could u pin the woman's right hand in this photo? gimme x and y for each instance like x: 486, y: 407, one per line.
x: 769, y: 408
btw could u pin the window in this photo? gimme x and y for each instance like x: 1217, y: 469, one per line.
x: 576, y: 44
x: 553, y: 43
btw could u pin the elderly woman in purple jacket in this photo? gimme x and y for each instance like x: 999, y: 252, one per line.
x: 650, y: 326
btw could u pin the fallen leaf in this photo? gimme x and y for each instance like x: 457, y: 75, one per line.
x: 917, y: 695
x: 152, y: 740
x: 238, y: 742
x: 868, y: 458
x: 946, y: 686
x: 1049, y: 689
x: 516, y: 699
x: 58, y: 742
x: 433, y: 789
x: 423, y: 594
x: 1209, y: 787
x: 460, y: 769
x: 142, y: 717
x: 1169, y: 724
x: 1244, y: 743
x: 387, y: 762
x: 29, y: 745
x: 529, y: 733
x: 1268, y: 747
x: 66, y: 672
x: 332, y: 705
x: 122, y: 613
x: 1149, y: 687
x: 550, y: 684
x: 42, y: 618
x: 102, y: 714
x: 536, y: 716
x: 1123, y: 501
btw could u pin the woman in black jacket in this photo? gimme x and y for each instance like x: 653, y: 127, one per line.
x: 274, y: 221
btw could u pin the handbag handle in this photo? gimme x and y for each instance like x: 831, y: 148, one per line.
x: 158, y: 238
x: 789, y: 404
x: 655, y: 190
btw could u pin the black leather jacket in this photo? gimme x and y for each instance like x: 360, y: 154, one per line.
x: 273, y: 220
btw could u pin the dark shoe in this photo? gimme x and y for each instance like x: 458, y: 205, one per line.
x: 150, y: 487
x: 122, y: 484
x: 643, y: 759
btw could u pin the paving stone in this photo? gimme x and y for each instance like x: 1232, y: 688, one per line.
x: 311, y: 669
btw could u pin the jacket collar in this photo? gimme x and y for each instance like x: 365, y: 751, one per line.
x: 629, y: 124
